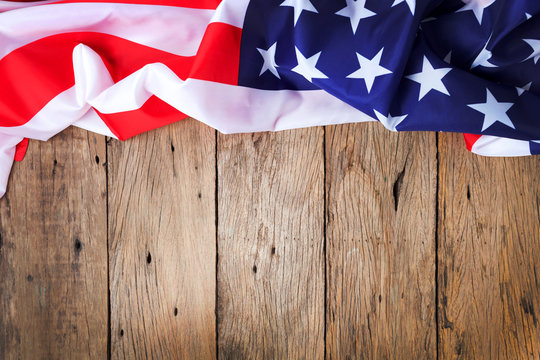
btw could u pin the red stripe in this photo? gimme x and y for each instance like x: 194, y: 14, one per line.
x: 153, y: 114
x: 34, y: 74
x: 470, y: 139
x: 20, y: 149
x: 31, y: 77
x: 194, y: 4
x: 218, y: 57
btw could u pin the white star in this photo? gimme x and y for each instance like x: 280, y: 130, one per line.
x: 526, y: 87
x: 430, y: 79
x: 477, y: 7
x: 535, y: 44
x: 528, y: 16
x: 355, y: 11
x: 411, y: 3
x: 306, y: 67
x: 493, y: 111
x: 299, y: 6
x: 482, y: 59
x: 269, y: 57
x: 369, y: 69
x: 390, y: 122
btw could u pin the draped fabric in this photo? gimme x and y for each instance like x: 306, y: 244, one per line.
x: 120, y: 68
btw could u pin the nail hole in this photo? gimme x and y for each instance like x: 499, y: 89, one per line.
x: 468, y: 192
x: 273, y: 250
x: 172, y: 147
x: 175, y: 311
x: 149, y: 258
x: 380, y: 298
x: 199, y: 195
x: 30, y: 278
x: 55, y: 162
x: 78, y: 246
x: 254, y: 269
x: 121, y: 332
x: 97, y: 159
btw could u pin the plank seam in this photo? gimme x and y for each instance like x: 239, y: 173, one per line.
x: 216, y: 314
x: 437, y: 334
x: 109, y: 323
x: 325, y: 213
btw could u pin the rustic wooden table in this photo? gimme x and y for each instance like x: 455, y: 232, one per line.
x: 340, y: 242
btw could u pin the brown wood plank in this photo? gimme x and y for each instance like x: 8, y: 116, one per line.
x: 270, y: 243
x: 381, y: 190
x: 163, y: 244
x: 53, y: 251
x: 489, y: 251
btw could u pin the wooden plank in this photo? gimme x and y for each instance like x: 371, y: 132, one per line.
x: 489, y: 251
x: 53, y: 251
x: 163, y: 244
x: 270, y: 241
x: 381, y: 190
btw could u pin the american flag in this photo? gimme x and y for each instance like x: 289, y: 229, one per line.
x: 119, y: 68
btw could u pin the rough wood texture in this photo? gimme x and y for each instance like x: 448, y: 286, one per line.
x: 162, y: 243
x: 489, y: 252
x: 270, y: 232
x: 53, y: 251
x: 378, y: 259
x: 381, y: 190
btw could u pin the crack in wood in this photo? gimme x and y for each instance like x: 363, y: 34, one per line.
x: 396, y: 190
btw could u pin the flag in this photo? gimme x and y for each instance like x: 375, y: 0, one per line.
x: 120, y: 68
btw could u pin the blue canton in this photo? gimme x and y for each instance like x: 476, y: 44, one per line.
x: 445, y: 65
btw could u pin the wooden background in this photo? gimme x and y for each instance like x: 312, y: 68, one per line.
x: 344, y: 242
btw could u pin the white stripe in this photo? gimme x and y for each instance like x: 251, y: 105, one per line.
x: 497, y: 146
x: 234, y: 109
x: 173, y: 29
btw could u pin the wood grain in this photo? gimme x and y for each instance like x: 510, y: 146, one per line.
x: 270, y: 232
x: 162, y: 243
x: 381, y: 190
x: 53, y: 251
x: 489, y: 251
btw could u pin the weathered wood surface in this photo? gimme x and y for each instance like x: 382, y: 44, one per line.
x: 53, y: 251
x: 270, y: 241
x: 489, y: 255
x: 296, y: 244
x: 163, y: 243
x: 381, y: 193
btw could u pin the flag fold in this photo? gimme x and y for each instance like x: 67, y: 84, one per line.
x: 120, y: 68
